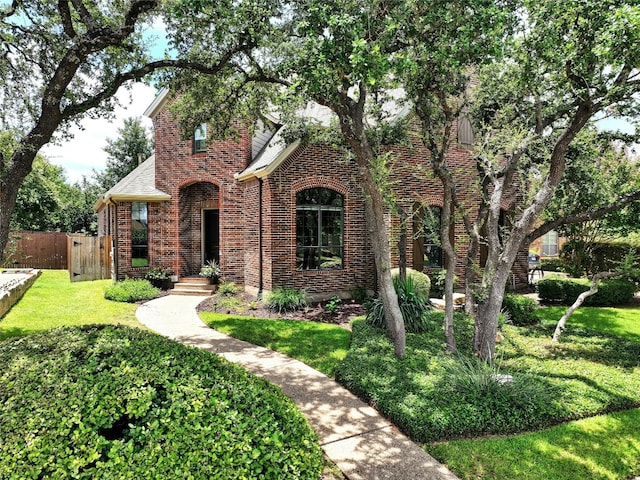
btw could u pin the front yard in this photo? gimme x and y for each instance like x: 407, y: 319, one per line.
x: 571, y: 411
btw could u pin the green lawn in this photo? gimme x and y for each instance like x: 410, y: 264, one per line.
x: 622, y: 322
x: 54, y: 301
x: 319, y: 345
x: 602, y: 447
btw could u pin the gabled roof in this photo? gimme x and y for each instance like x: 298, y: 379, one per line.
x: 277, y: 151
x: 138, y: 186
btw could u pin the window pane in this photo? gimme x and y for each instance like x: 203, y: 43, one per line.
x: 200, y: 138
x: 139, y: 235
x: 319, y: 229
x: 550, y: 244
x: 432, y: 251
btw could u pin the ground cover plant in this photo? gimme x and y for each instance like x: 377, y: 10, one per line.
x: 115, y: 402
x: 53, y: 301
x: 319, y: 345
x: 433, y: 396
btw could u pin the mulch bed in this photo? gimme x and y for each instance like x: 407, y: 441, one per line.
x: 245, y: 305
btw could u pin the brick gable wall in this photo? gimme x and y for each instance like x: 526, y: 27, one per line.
x: 258, y: 217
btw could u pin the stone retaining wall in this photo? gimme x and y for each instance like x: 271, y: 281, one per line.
x: 13, y: 284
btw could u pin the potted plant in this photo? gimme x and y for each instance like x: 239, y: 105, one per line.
x: 211, y: 270
x: 160, y: 277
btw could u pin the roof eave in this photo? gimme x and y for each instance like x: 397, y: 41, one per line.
x: 157, y: 104
x: 112, y: 198
x: 269, y: 169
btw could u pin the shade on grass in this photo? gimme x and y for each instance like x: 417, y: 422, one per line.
x: 320, y: 345
x: 622, y: 322
x: 603, y: 447
x: 54, y: 301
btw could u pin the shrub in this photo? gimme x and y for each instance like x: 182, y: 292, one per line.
x: 552, y: 265
x: 412, y: 305
x: 421, y: 281
x: 520, y: 309
x: 284, y: 299
x: 114, y: 402
x: 565, y: 291
x: 131, y: 290
x: 229, y: 288
x: 437, y: 283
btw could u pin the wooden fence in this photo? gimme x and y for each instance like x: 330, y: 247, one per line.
x: 44, y: 250
x: 89, y: 257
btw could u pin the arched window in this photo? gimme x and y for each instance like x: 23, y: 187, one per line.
x: 319, y: 229
x: 432, y: 247
x: 427, y: 249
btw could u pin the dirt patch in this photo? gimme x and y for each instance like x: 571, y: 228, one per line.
x: 337, y: 313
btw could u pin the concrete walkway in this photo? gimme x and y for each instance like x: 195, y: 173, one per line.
x: 363, y: 444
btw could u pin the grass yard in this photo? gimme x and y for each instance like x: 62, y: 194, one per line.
x: 319, y: 345
x: 602, y: 447
x: 623, y: 322
x: 586, y: 374
x: 53, y: 301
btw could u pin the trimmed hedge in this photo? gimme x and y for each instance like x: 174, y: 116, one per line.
x: 117, y: 402
x: 131, y: 290
x: 565, y: 291
x: 421, y: 281
x: 521, y: 309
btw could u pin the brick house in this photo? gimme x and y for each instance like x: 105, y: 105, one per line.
x: 272, y: 214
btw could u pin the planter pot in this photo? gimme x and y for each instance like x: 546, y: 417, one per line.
x: 214, y: 280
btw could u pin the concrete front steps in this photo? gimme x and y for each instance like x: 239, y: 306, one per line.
x: 193, y: 286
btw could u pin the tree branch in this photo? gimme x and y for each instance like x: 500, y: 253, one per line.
x: 65, y: 17
x: 583, y: 216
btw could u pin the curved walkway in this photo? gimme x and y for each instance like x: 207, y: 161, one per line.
x: 363, y: 444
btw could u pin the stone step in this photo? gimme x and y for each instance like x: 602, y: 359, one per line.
x: 193, y: 286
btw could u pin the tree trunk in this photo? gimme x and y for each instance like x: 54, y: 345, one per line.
x: 486, y: 324
x: 450, y: 256
x: 581, y: 298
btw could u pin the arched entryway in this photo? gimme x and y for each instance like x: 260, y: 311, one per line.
x: 199, y: 226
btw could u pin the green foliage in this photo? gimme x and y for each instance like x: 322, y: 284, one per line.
x: 158, y: 273
x: 552, y: 265
x: 521, y: 310
x: 437, y: 283
x: 433, y: 396
x: 99, y: 402
x: 133, y: 145
x: 565, y: 291
x: 229, y: 288
x: 211, y: 270
x: 284, y: 299
x: 131, y: 290
x: 421, y: 281
x: 602, y: 255
x: 413, y: 305
x: 333, y: 304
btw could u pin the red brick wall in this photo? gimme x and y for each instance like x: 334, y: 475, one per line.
x: 206, y: 180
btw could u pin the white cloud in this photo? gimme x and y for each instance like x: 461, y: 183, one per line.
x: 84, y: 153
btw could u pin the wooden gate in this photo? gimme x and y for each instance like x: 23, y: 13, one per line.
x: 43, y: 250
x: 89, y: 257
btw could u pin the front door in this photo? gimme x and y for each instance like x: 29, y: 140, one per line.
x: 211, y: 235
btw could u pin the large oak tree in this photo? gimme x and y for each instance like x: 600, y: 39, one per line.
x: 62, y: 60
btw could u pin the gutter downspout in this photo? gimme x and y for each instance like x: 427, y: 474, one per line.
x: 260, y: 259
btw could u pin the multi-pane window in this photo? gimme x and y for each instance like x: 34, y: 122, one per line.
x: 550, y: 244
x: 139, y: 235
x: 319, y: 229
x: 200, y: 138
x: 431, y: 234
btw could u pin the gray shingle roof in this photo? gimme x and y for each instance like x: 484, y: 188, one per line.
x: 139, y: 185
